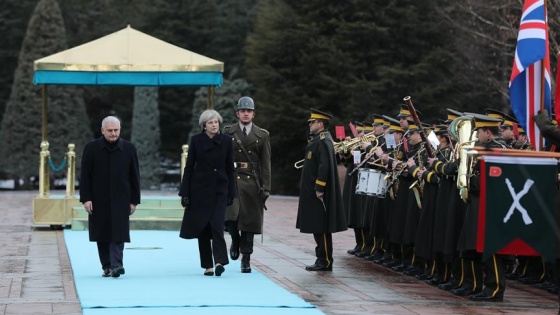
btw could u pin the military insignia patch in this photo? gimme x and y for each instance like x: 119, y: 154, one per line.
x: 399, y: 155
x: 309, y: 155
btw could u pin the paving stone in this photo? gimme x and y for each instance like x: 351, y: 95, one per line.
x: 36, y: 276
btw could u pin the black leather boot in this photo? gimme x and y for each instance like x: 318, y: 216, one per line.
x: 234, y: 247
x: 245, y: 264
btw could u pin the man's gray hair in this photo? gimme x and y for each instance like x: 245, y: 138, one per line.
x: 208, y: 115
x: 109, y: 119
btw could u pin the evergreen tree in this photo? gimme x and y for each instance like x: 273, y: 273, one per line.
x: 20, y: 132
x: 14, y: 16
x: 349, y: 58
x: 216, y: 29
x: 146, y: 135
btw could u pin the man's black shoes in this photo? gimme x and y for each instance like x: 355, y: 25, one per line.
x: 463, y: 291
x: 117, y: 272
x: 234, y: 251
x: 319, y: 267
x: 245, y: 264
x: 106, y: 273
x: 485, y: 297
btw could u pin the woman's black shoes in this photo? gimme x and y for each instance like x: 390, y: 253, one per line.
x: 219, y: 270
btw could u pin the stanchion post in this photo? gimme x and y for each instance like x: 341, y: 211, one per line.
x: 44, y: 170
x: 71, y: 171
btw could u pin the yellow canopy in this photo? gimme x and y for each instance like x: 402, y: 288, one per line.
x: 112, y: 59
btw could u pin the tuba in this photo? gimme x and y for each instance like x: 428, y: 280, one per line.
x: 462, y: 129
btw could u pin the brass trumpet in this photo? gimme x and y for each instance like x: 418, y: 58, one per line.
x: 348, y: 145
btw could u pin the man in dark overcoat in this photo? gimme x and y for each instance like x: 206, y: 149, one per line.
x: 320, y: 210
x: 251, y: 149
x: 110, y: 191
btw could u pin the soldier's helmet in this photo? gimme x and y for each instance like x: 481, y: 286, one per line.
x: 245, y: 103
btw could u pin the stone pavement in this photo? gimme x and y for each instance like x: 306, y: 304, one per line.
x: 36, y: 278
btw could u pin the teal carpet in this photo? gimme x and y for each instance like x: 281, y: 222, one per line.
x: 163, y: 276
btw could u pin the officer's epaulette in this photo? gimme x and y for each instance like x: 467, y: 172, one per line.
x: 498, y: 143
x: 265, y: 131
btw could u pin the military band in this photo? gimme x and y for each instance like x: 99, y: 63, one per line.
x: 415, y: 215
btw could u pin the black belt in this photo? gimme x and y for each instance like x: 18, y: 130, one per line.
x: 242, y: 165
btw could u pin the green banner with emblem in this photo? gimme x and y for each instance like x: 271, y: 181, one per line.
x: 516, y: 210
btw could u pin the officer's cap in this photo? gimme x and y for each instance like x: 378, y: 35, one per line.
x: 452, y: 115
x: 509, y: 121
x: 394, y: 125
x: 317, y: 114
x: 378, y: 120
x: 494, y: 113
x: 484, y: 121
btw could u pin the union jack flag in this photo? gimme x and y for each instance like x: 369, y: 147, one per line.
x: 531, y: 59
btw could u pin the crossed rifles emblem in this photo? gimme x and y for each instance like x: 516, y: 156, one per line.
x: 516, y: 205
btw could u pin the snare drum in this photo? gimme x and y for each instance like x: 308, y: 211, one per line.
x: 377, y: 184
x: 363, y: 180
x: 371, y: 183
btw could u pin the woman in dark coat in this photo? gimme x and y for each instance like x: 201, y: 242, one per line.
x: 208, y: 186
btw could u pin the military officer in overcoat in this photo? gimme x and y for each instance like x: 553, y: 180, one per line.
x: 320, y: 210
x: 244, y: 218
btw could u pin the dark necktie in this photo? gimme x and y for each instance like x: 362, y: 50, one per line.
x: 245, y: 131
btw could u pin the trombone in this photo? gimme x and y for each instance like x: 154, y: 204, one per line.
x: 299, y: 164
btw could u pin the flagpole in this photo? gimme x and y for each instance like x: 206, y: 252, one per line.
x: 543, y: 69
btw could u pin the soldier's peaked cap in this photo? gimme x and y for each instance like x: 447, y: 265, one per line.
x: 394, y: 125
x: 481, y: 121
x: 405, y: 112
x: 494, y: 113
x: 452, y: 115
x: 317, y: 114
x: 509, y: 121
x: 378, y: 120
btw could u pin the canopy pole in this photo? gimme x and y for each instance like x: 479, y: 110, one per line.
x: 45, y: 111
x: 44, y: 155
x: 210, y: 97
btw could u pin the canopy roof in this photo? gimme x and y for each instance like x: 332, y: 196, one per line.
x: 128, y: 57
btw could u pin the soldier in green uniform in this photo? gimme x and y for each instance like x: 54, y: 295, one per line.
x: 251, y: 146
x: 320, y: 210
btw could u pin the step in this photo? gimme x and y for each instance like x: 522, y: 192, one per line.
x: 143, y: 223
x: 153, y: 213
